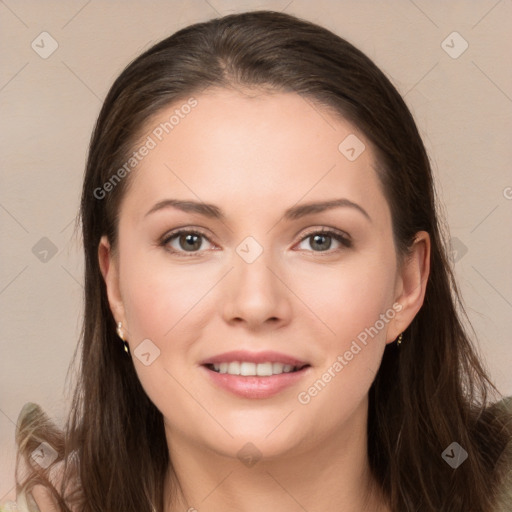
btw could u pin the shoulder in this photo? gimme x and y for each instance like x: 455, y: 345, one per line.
x: 504, y: 465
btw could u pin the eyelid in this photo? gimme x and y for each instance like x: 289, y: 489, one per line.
x: 327, y: 230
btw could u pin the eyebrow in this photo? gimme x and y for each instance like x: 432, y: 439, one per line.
x: 293, y: 213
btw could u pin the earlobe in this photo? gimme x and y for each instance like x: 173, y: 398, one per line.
x: 109, y: 269
x: 413, y: 278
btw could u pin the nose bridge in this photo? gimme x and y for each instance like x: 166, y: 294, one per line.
x: 253, y: 261
x: 256, y: 293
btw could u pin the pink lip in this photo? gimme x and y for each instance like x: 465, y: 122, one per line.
x: 254, y: 357
x: 253, y: 386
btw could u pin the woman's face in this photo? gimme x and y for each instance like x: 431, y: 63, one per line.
x: 259, y: 277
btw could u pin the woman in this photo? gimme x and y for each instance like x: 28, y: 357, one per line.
x: 260, y: 231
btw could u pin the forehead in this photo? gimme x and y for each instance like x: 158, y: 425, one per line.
x: 250, y: 148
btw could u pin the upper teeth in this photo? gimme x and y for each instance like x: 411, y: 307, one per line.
x: 260, y: 369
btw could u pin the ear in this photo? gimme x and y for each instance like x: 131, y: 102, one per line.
x: 109, y: 266
x: 411, y: 284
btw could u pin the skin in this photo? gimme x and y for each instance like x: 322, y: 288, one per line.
x: 255, y: 154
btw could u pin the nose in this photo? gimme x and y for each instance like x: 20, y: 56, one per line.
x: 257, y: 294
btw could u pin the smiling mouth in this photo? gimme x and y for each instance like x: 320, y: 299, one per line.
x: 248, y: 369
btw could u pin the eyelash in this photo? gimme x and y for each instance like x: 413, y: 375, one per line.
x: 342, y: 239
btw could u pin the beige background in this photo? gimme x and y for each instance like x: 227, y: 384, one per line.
x: 48, y: 108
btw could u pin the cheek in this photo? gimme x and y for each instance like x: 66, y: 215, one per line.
x: 171, y: 305
x: 168, y: 305
x: 352, y: 345
x: 161, y: 297
x: 353, y: 303
x: 348, y: 297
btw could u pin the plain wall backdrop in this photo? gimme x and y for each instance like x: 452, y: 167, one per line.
x: 449, y: 59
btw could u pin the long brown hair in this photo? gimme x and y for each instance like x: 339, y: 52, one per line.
x: 429, y: 392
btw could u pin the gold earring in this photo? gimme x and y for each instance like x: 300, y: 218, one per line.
x: 120, y: 334
x: 399, y: 339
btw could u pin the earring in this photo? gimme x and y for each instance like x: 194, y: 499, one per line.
x: 399, y: 339
x: 120, y: 334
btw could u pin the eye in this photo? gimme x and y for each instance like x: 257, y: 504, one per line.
x: 185, y: 241
x: 322, y: 239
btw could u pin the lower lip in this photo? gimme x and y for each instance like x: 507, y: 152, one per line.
x: 256, y: 387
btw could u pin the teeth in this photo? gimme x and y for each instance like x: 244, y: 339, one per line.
x: 246, y: 368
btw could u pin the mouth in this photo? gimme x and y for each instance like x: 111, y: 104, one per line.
x: 249, y: 374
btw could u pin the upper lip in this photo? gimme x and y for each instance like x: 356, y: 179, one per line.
x: 254, y: 357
